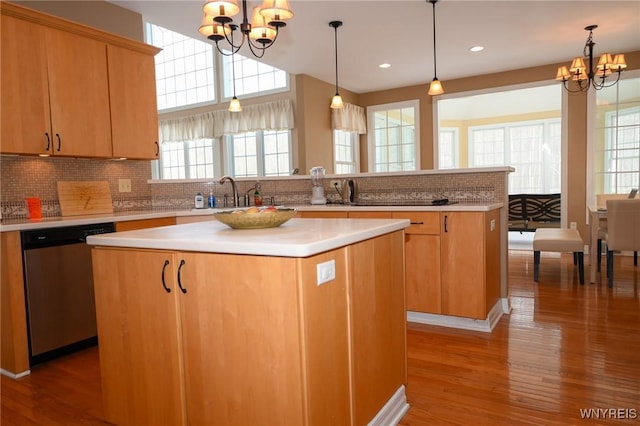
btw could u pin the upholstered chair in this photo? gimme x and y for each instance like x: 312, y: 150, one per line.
x: 623, y: 230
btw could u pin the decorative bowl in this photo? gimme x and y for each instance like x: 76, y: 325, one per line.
x: 250, y: 219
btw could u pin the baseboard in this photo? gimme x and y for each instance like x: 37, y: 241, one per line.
x: 14, y: 375
x: 393, y: 411
x: 501, y: 307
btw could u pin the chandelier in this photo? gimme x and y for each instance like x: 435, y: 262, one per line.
x: 596, y: 77
x: 267, y: 19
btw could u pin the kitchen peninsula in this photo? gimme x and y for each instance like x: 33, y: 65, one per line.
x: 300, y: 324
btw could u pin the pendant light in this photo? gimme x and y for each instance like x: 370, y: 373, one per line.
x: 435, y: 88
x: 234, y: 105
x: 336, y: 102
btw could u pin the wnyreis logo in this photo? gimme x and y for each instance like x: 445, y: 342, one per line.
x: 609, y: 413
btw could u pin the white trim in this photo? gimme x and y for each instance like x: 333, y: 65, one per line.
x: 393, y: 411
x: 14, y: 375
x: 486, y: 325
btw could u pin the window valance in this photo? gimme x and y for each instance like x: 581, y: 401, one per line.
x: 276, y: 115
x: 351, y: 118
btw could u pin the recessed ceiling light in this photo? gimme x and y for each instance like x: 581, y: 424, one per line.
x: 476, y: 48
x: 385, y: 65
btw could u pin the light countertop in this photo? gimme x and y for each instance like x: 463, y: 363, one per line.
x: 55, y: 222
x: 295, y: 238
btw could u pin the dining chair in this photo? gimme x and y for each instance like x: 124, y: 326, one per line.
x: 623, y: 230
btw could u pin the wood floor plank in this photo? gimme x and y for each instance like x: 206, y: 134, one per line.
x: 564, y: 347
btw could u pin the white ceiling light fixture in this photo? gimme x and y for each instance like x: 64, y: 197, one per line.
x: 336, y: 102
x: 476, y: 48
x: 385, y: 65
x: 595, y: 77
x: 435, y: 88
x: 260, y: 34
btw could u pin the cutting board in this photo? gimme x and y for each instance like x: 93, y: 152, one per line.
x: 86, y: 197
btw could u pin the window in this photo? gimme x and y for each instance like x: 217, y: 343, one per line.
x: 346, y: 152
x: 264, y: 153
x: 617, y: 144
x: 532, y: 148
x: 186, y: 78
x: 448, y: 148
x: 185, y: 72
x: 517, y: 127
x: 251, y: 77
x: 392, y: 137
x: 189, y: 160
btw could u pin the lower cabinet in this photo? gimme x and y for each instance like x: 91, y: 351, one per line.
x: 452, y: 262
x: 470, y: 266
x: 205, y: 338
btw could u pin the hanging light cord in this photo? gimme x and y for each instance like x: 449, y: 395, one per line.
x: 233, y: 74
x: 335, y: 25
x: 435, y: 72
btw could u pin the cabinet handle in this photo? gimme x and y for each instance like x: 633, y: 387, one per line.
x: 417, y: 223
x: 157, y: 148
x: 48, y: 141
x: 445, y: 224
x: 59, y: 141
x: 164, y: 284
x: 184, y: 290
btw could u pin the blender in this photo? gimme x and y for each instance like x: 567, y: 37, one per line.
x: 317, y: 191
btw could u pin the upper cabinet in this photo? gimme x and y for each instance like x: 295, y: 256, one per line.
x: 134, y: 111
x: 78, y: 95
x: 26, y: 120
x: 71, y: 90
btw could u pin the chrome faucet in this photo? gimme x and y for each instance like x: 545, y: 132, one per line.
x: 236, y: 199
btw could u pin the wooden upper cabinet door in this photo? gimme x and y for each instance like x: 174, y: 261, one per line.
x: 79, y: 95
x: 134, y: 111
x: 26, y: 128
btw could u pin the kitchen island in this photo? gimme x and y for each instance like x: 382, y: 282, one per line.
x: 300, y: 324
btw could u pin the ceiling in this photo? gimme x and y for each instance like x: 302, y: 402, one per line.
x: 515, y: 33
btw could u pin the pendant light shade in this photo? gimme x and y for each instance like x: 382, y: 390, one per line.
x: 336, y: 102
x: 435, y: 88
x: 234, y: 105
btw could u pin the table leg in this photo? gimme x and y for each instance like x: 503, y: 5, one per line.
x: 593, y: 225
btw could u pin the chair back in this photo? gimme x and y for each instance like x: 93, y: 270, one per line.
x: 623, y: 225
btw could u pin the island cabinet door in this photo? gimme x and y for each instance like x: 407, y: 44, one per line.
x: 463, y: 264
x: 241, y: 340
x: 378, y: 323
x: 139, y: 340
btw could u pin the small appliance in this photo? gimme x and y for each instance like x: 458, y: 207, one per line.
x: 317, y: 191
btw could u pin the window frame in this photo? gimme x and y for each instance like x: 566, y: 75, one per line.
x: 371, y: 131
x: 354, y: 140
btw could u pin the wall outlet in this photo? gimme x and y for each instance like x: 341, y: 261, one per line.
x: 124, y: 185
x: 573, y: 225
x: 326, y: 271
x: 335, y: 183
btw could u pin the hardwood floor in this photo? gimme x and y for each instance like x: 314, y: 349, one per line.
x: 565, y: 347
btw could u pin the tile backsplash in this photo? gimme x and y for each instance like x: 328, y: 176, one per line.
x: 23, y: 177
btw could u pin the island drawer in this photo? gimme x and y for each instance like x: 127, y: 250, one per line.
x: 421, y: 222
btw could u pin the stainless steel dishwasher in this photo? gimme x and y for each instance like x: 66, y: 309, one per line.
x: 61, y: 315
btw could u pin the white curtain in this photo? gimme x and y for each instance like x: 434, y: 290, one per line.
x: 351, y: 118
x: 276, y: 115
